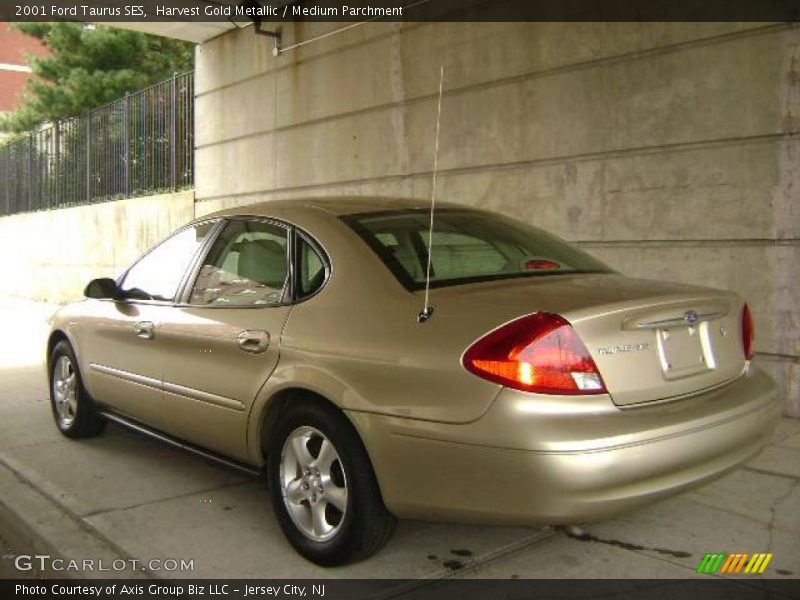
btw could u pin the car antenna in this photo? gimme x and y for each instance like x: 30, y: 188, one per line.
x: 427, y: 310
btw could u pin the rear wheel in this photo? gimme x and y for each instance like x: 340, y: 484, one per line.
x: 323, y: 487
x: 73, y: 409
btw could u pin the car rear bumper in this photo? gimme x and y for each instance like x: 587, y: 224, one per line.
x: 535, y: 460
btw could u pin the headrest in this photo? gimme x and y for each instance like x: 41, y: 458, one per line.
x: 263, y: 261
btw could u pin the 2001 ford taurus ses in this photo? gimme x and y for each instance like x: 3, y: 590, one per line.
x: 542, y: 387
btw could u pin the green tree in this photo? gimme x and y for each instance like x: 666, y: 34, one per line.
x: 90, y: 67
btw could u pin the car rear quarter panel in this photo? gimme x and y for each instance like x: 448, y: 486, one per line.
x: 359, y: 344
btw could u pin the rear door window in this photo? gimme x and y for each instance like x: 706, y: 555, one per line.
x: 311, y: 269
x: 247, y: 265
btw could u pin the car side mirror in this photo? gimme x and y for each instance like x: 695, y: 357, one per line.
x: 101, y: 289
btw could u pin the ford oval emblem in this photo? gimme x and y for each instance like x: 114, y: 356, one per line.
x: 690, y: 317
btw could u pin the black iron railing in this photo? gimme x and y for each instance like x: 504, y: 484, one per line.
x: 137, y: 145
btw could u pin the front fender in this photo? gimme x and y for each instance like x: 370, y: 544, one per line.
x: 61, y: 325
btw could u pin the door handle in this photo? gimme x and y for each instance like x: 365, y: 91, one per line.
x: 254, y: 341
x: 144, y: 330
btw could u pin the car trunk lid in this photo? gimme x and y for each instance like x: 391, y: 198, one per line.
x: 666, y: 348
x: 651, y: 341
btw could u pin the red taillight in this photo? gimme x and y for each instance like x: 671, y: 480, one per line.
x: 748, y: 333
x: 538, y: 353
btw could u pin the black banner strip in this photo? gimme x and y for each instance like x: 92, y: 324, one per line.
x: 241, y: 12
x: 701, y: 588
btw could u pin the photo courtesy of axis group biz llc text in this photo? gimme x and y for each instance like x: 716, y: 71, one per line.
x: 180, y: 589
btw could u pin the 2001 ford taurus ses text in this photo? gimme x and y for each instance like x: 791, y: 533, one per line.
x: 543, y: 387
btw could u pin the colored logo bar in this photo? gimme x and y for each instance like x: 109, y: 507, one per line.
x: 743, y: 562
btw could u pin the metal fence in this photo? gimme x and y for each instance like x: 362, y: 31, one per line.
x: 140, y: 144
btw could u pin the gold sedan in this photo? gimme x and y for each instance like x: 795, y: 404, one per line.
x: 532, y: 385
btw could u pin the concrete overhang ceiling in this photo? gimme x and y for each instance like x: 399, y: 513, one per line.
x: 191, y: 31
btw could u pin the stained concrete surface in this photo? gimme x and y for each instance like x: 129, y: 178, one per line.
x: 7, y: 568
x: 125, y: 496
x: 83, y: 242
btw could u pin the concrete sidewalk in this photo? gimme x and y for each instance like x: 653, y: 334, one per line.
x: 123, y: 496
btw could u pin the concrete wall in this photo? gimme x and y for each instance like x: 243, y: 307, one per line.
x: 669, y: 150
x: 52, y: 255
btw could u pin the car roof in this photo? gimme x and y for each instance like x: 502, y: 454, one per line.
x: 335, y: 205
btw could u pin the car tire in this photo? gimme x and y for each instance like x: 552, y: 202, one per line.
x: 326, y: 498
x: 73, y: 409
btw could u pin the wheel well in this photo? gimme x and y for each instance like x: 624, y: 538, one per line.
x: 278, y: 404
x: 54, y: 338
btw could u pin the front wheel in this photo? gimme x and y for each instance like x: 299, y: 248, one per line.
x: 323, y: 488
x: 73, y: 409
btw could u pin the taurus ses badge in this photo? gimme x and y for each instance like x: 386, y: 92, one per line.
x: 690, y: 317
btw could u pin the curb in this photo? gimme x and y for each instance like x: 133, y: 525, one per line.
x: 36, y: 524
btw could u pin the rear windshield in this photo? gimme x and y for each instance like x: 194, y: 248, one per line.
x: 468, y: 246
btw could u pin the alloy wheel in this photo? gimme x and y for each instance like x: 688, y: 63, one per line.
x: 65, y: 392
x: 313, y: 483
